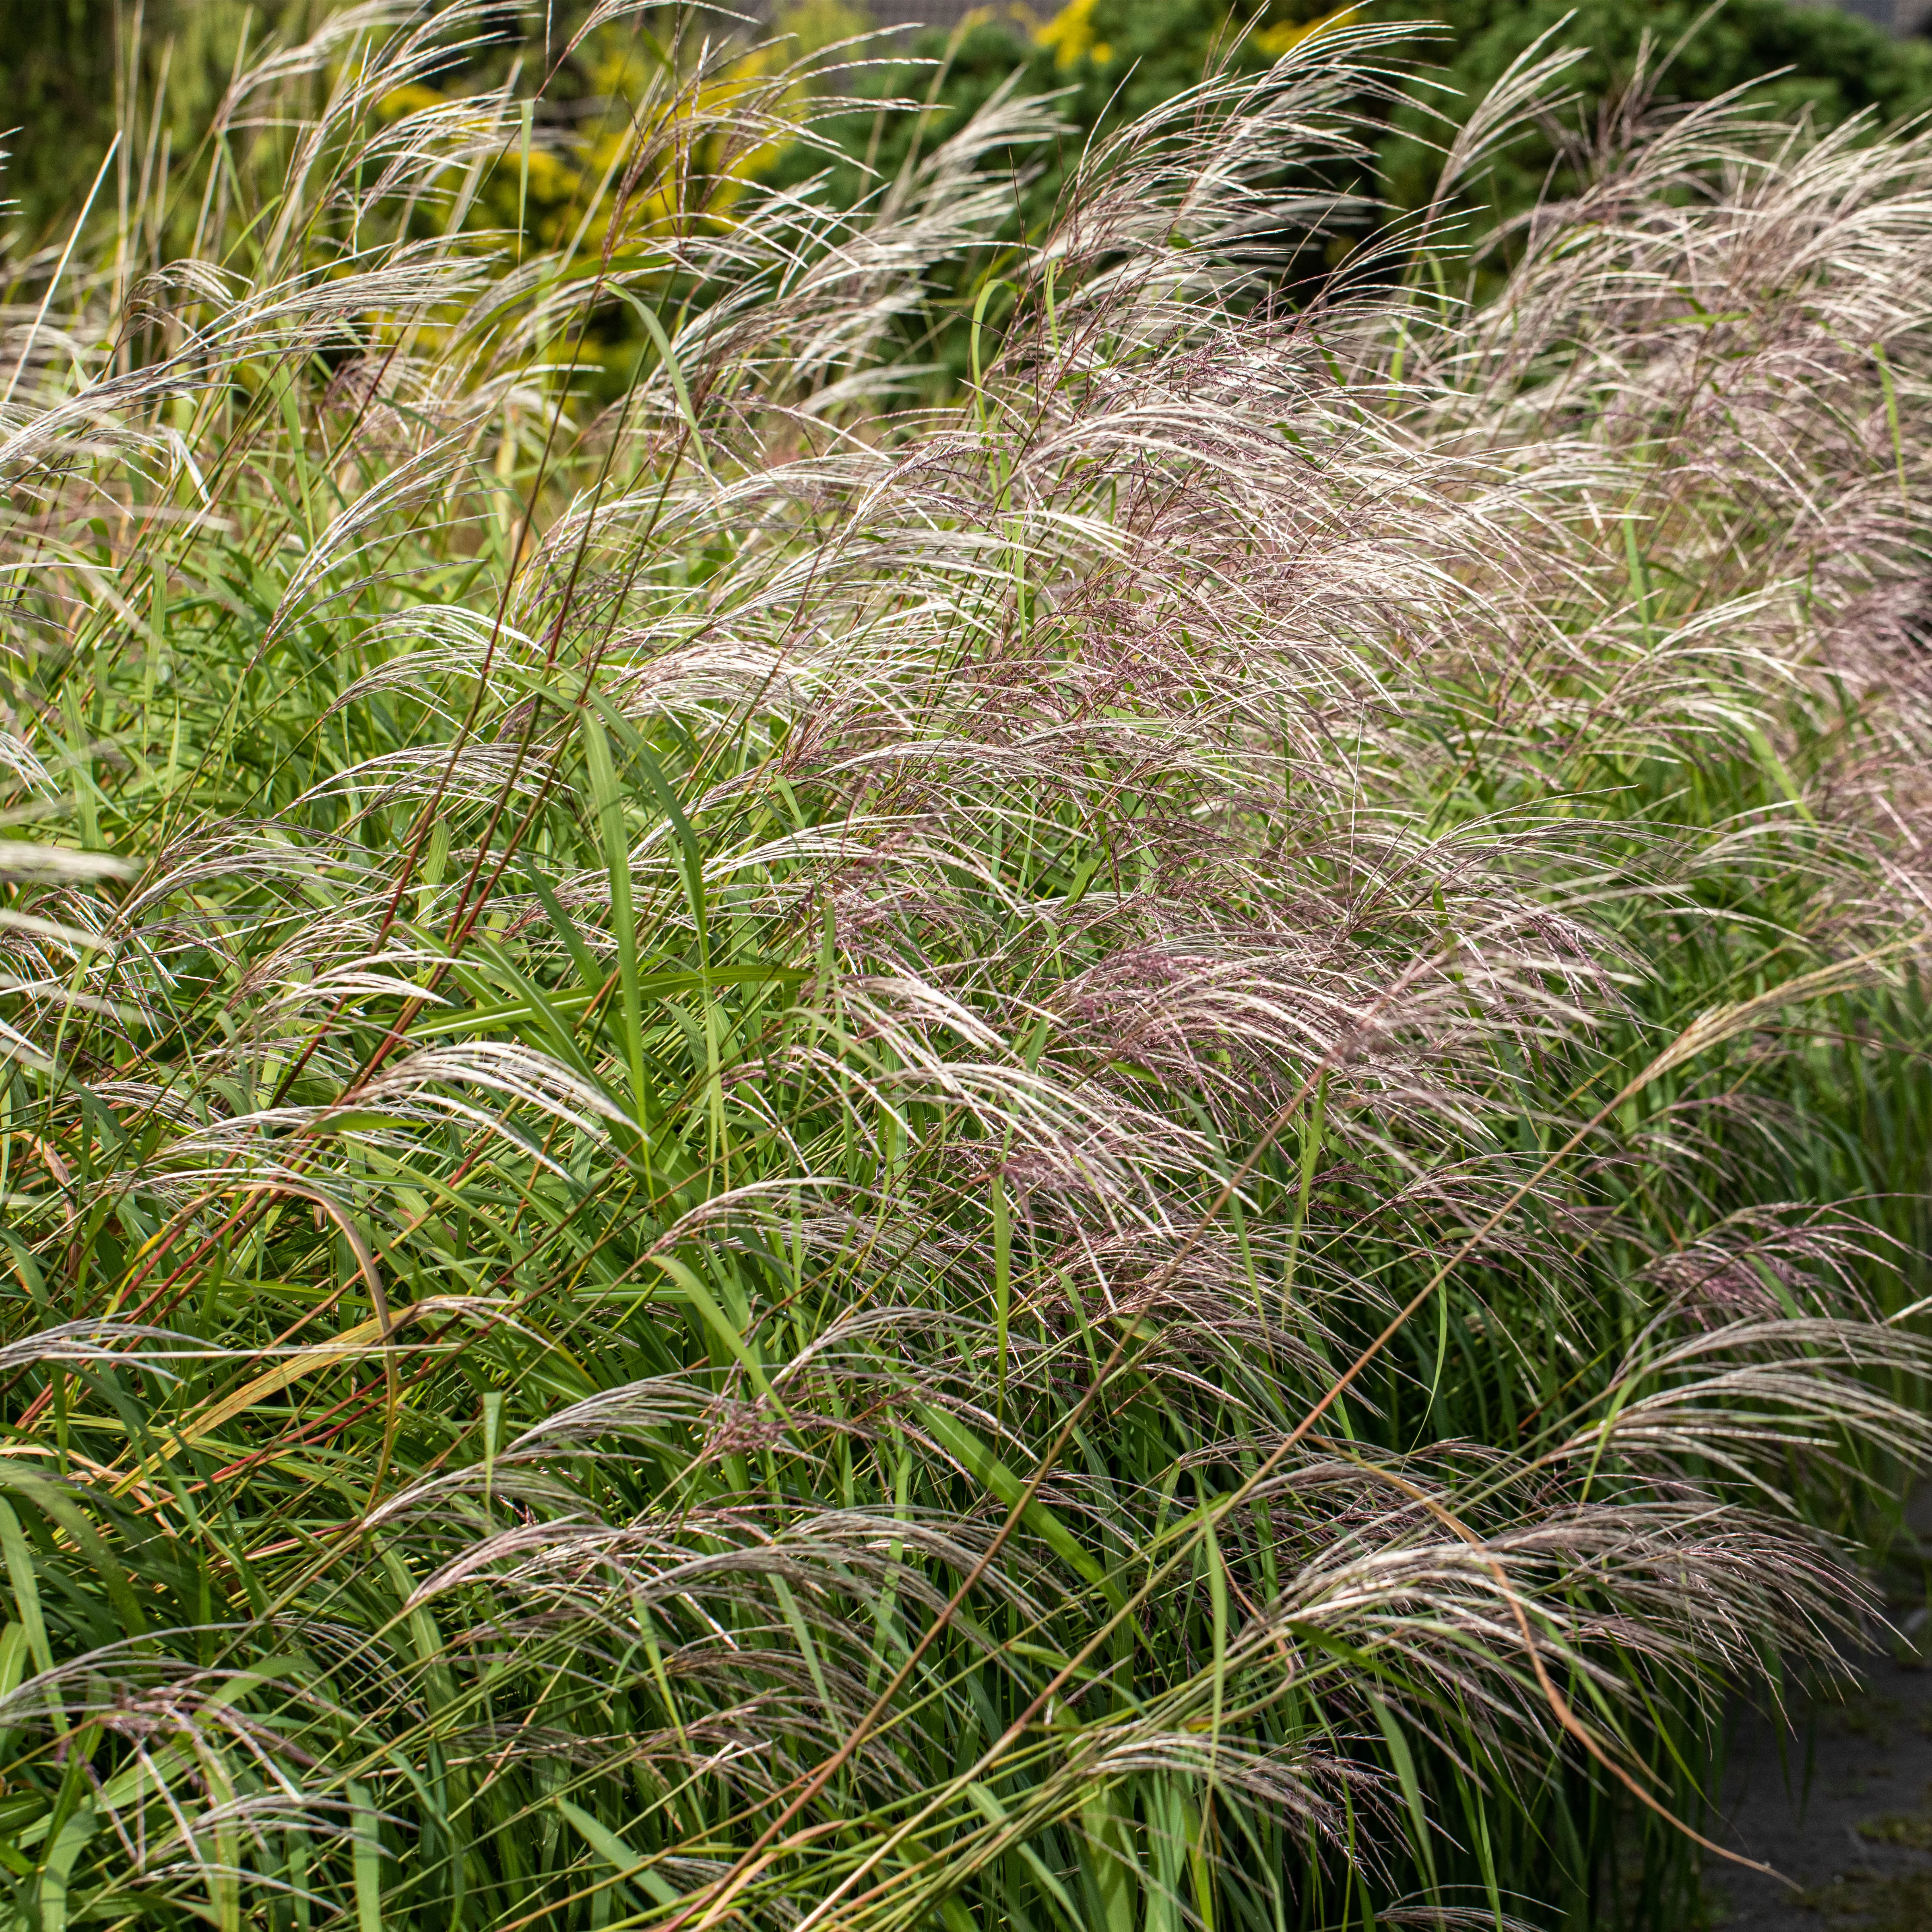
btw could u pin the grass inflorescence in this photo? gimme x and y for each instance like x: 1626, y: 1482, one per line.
x: 1140, y: 1152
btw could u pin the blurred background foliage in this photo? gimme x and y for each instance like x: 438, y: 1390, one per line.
x: 66, y: 65
x: 1112, y: 61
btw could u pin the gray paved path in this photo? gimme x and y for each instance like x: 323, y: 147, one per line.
x: 1841, y: 1804
x: 1847, y: 1813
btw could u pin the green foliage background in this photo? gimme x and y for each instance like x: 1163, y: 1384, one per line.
x: 1812, y: 60
x: 64, y: 64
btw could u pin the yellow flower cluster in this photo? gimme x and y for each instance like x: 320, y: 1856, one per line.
x: 1071, y: 35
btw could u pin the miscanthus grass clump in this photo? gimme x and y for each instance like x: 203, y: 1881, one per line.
x: 1135, y: 1153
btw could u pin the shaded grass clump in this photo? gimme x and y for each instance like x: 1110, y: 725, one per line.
x: 1144, y: 1154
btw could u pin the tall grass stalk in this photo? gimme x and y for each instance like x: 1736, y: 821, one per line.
x: 1140, y: 1153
